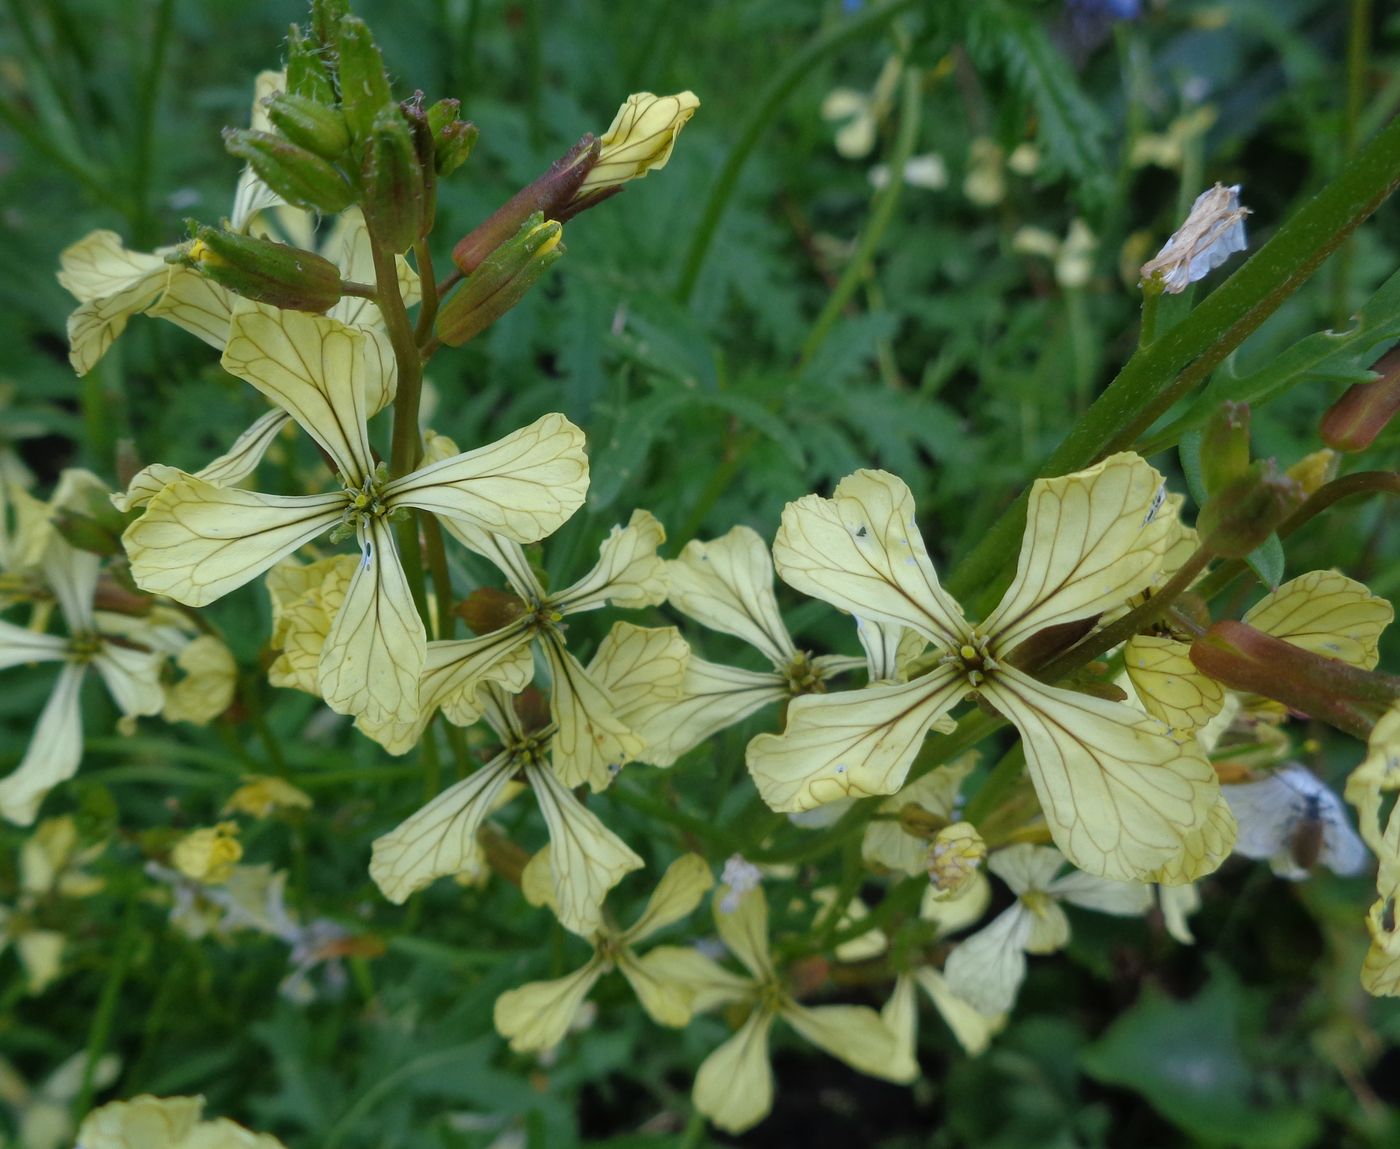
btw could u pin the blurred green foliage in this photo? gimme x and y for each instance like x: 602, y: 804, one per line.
x: 958, y: 363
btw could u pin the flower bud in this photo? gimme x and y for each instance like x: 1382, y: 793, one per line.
x: 1241, y: 516
x: 300, y: 177
x: 488, y: 609
x: 639, y: 141
x: 1225, y: 446
x: 264, y: 271
x: 307, y: 74
x: 1316, y: 470
x: 208, y: 854
x: 87, y: 533
x: 310, y: 124
x: 954, y: 857
x: 501, y: 281
x: 548, y: 195
x: 394, y: 198
x: 326, y: 16
x: 364, y: 88
x: 453, y: 139
x: 1353, y: 421
x: 1248, y: 660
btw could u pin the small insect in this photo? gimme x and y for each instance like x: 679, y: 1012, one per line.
x: 1297, y: 823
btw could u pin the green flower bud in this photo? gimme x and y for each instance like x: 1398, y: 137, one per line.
x: 262, y: 270
x: 1242, y: 515
x: 307, y: 74
x: 394, y: 199
x: 326, y: 16
x: 501, y: 280
x: 310, y: 124
x: 364, y: 88
x: 300, y: 177
x: 1225, y: 446
x: 453, y: 139
x: 548, y: 195
x: 1353, y: 421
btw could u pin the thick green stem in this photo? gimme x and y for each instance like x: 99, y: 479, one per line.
x: 1164, y: 371
x: 762, y: 111
x: 101, y: 1031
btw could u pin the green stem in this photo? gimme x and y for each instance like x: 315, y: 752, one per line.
x: 762, y: 111
x: 693, y: 1132
x: 142, y: 224
x: 1160, y: 374
x: 101, y: 1031
x: 1358, y: 53
x: 442, y: 577
x: 881, y: 215
x: 427, y: 310
x: 1151, y: 300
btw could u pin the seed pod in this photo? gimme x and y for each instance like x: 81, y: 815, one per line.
x: 501, y: 281
x: 300, y: 177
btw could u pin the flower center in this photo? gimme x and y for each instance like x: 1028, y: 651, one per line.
x: 803, y: 676
x: 973, y: 658
x: 84, y: 646
x: 1037, y: 901
x: 363, y: 504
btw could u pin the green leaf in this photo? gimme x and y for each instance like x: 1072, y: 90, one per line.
x: 1186, y: 1059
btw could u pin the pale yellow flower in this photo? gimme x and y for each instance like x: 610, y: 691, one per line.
x: 734, y: 1086
x: 536, y: 1016
x: 954, y: 858
x: 132, y: 677
x: 262, y: 794
x: 196, y: 542
x: 987, y: 969
x: 441, y: 839
x: 888, y: 844
x: 726, y: 584
x: 147, y: 1122
x: 208, y: 854
x: 1376, y: 776
x: 43, y: 1113
x: 1121, y: 798
x: 639, y: 140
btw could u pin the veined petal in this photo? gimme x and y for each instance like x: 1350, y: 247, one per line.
x: 507, y: 555
x: 851, y: 1033
x: 196, y: 542
x: 538, y: 1015
x: 132, y: 678
x: 901, y: 1017
x: 1125, y: 899
x: 859, y: 743
x: 55, y: 749
x: 1378, y: 773
x: 973, y: 1030
x: 682, y: 887
x: 1024, y: 867
x: 1326, y: 613
x: 591, y: 742
x: 313, y: 368
x: 726, y: 584
x: 1120, y: 797
x: 524, y: 486
x: 440, y: 839
x: 196, y: 305
x: 742, y: 922
x: 712, y: 698
x: 640, y: 666
x: 19, y: 646
x: 146, y: 1122
x: 888, y: 649
x: 300, y: 627
x: 348, y: 248
x: 667, y: 1000
x: 1168, y: 683
x: 453, y: 674
x: 707, y: 983
x: 734, y: 1087
x: 380, y: 366
x: 1093, y: 539
x: 377, y: 645
x: 629, y: 572
x: 987, y: 969
x: 586, y: 858
x: 887, y: 844
x: 951, y: 915
x: 861, y: 551
x: 241, y: 459
x: 112, y: 284
x: 1203, y: 849
x: 72, y: 576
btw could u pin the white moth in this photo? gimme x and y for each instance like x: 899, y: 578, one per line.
x: 1297, y: 823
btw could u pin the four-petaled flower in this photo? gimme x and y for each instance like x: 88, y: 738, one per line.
x: 1121, y: 798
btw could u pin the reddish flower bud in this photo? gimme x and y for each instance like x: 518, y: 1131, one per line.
x: 1225, y: 446
x: 1242, y: 515
x: 1353, y: 421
